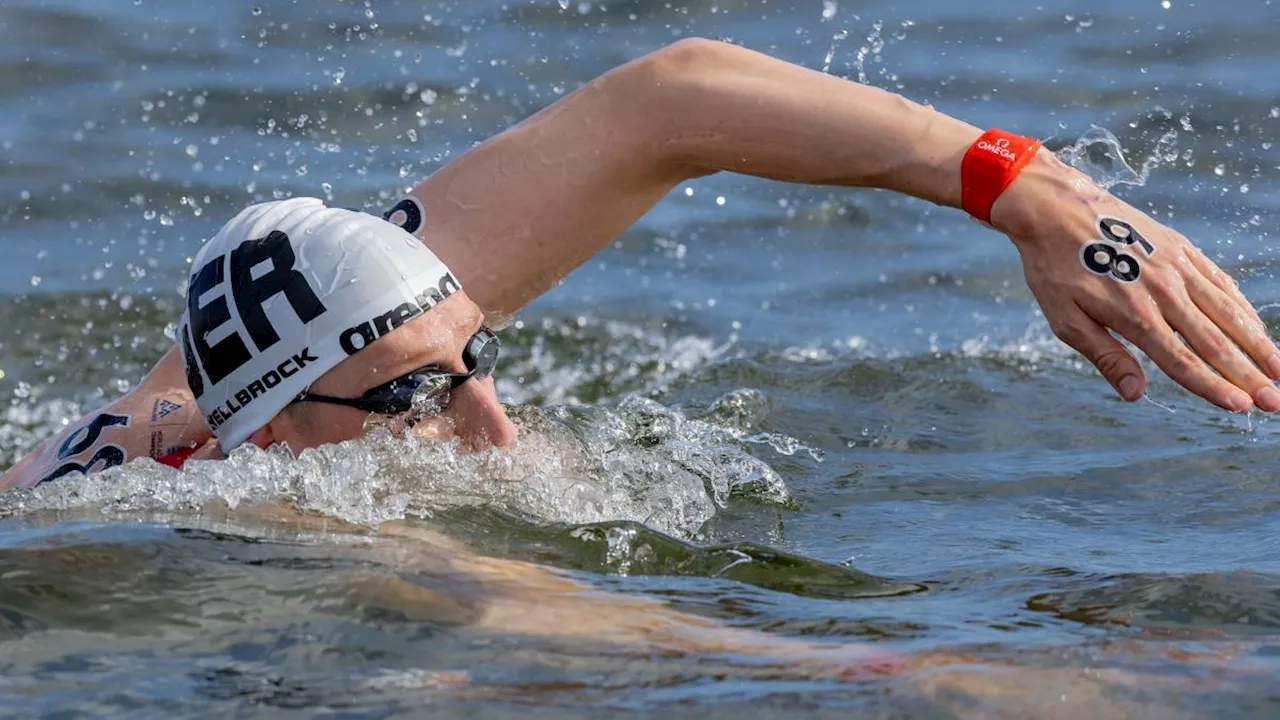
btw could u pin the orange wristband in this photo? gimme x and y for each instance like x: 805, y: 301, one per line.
x: 988, y: 168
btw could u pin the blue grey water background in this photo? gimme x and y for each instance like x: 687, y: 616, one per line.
x: 849, y: 381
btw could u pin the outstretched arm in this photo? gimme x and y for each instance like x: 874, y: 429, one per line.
x: 520, y: 211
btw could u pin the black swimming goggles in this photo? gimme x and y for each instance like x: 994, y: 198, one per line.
x: 424, y: 391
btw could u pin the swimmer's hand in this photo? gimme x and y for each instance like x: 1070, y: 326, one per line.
x: 1052, y: 213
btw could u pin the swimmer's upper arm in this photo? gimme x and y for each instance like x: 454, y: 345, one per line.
x: 153, y: 419
x: 518, y: 212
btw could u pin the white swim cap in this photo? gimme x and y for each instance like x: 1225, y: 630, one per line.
x: 287, y: 290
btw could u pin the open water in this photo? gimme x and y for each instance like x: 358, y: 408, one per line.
x: 824, y: 418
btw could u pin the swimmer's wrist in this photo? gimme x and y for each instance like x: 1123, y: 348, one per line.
x: 1023, y: 210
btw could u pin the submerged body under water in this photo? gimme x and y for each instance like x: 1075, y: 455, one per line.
x: 782, y: 449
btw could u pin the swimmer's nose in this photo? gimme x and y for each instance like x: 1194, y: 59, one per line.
x: 478, y: 419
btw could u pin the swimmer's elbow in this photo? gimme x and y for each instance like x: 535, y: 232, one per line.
x: 668, y: 93
x: 663, y: 74
x: 689, y: 55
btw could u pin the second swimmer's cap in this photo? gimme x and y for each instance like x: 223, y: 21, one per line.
x: 286, y: 291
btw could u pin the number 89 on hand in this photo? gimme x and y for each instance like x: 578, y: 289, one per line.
x: 1104, y: 257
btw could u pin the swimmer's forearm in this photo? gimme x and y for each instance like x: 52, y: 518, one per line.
x: 152, y: 420
x: 720, y: 107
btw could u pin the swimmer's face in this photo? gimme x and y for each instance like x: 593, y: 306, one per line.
x: 474, y: 416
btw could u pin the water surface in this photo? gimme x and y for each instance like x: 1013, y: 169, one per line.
x: 831, y: 416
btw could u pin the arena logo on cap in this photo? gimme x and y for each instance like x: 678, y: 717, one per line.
x: 379, y: 325
x: 250, y: 282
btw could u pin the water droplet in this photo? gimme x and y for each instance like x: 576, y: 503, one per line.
x: 256, y: 11
x: 829, y: 9
x: 564, y: 4
x: 1166, y: 4
x: 831, y: 51
x: 1219, y: 170
x: 36, y: 280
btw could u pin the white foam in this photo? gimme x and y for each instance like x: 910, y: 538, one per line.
x: 642, y: 462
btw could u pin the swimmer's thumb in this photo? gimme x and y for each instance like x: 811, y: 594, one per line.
x: 1112, y: 359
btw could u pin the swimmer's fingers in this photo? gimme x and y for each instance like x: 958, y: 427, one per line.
x: 1218, y: 295
x: 1206, y: 335
x: 1090, y: 338
x: 1214, y: 274
x: 1144, y: 325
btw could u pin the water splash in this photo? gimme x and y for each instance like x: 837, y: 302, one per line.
x: 585, y: 359
x: 836, y: 39
x: 1099, y: 154
x: 875, y: 44
x: 642, y: 462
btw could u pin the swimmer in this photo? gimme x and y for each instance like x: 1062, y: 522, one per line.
x: 270, y: 354
x: 305, y: 323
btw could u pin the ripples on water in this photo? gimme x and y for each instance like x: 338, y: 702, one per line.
x: 831, y: 416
